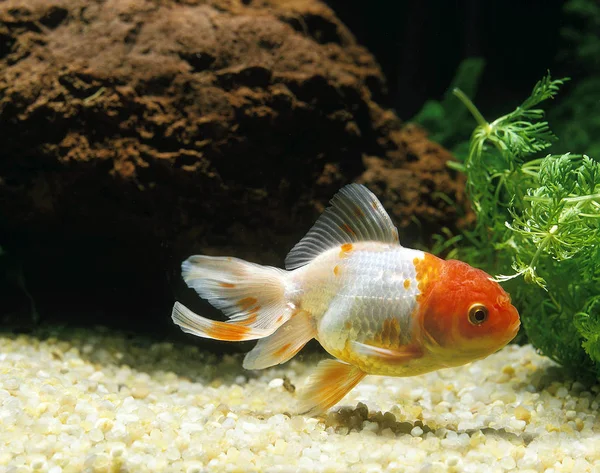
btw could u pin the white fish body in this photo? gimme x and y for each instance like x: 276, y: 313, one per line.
x: 354, y: 295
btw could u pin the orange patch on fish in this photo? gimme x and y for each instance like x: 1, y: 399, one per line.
x: 406, y: 283
x: 283, y: 349
x: 358, y: 212
x: 226, y: 284
x: 247, y: 302
x: 347, y: 229
x: 227, y: 332
x: 250, y: 320
x: 336, y: 270
x: 428, y: 269
x: 345, y: 248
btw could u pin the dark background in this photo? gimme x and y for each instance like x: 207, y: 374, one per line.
x: 420, y: 43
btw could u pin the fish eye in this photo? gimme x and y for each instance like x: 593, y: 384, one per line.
x: 478, y: 314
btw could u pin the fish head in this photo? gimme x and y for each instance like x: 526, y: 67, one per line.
x: 466, y: 314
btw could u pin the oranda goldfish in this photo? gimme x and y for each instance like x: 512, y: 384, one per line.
x: 375, y: 306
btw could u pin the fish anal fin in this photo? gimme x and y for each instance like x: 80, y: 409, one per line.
x: 355, y: 215
x: 400, y: 354
x: 327, y: 385
x: 282, y: 345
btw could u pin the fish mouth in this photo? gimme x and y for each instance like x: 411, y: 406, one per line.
x: 514, y: 328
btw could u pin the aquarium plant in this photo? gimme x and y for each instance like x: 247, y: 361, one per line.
x: 537, y: 227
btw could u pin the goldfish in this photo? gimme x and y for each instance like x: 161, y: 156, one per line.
x: 376, y: 307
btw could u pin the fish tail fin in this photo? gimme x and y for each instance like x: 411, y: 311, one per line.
x: 327, y: 385
x: 282, y: 345
x: 206, y: 328
x: 250, y: 295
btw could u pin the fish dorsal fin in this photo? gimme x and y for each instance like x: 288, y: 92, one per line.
x: 355, y: 215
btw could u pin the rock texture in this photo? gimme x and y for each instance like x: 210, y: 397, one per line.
x: 136, y: 132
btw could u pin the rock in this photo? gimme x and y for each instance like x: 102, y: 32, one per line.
x: 135, y: 133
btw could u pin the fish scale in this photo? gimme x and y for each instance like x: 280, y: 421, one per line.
x: 369, y: 291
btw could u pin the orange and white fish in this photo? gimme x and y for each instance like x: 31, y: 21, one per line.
x: 377, y: 307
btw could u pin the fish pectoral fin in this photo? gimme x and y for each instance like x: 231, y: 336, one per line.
x: 283, y: 344
x: 327, y: 385
x: 389, y: 355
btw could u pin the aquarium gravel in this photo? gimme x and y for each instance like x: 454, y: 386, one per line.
x: 98, y: 401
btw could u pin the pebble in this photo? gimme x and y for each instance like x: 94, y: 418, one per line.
x: 521, y: 413
x: 140, y: 392
x: 97, y: 401
x: 276, y: 383
x: 508, y: 463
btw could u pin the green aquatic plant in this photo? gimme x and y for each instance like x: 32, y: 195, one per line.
x: 537, y: 226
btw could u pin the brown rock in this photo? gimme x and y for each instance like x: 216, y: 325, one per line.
x: 137, y: 132
x: 416, y: 186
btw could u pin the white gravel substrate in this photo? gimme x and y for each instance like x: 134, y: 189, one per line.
x: 96, y: 401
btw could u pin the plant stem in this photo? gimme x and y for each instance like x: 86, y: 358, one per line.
x: 580, y: 198
x: 470, y: 106
x: 543, y: 245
